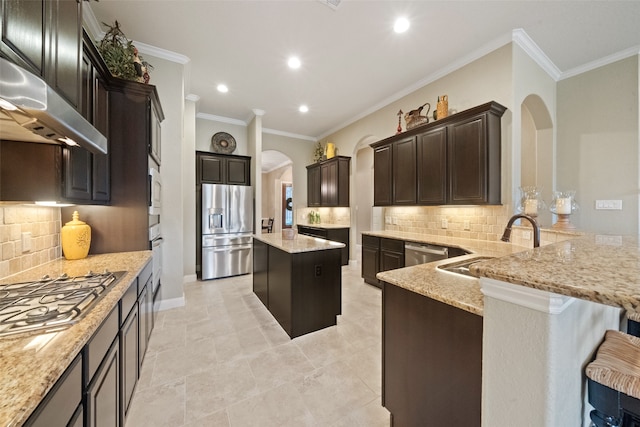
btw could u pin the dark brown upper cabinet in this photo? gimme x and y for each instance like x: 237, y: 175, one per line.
x: 230, y: 169
x: 87, y: 175
x: 453, y: 161
x: 45, y: 37
x: 328, y: 183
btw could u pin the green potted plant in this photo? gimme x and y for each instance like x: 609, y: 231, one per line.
x: 122, y: 57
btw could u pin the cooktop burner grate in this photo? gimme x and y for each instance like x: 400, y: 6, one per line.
x: 50, y: 304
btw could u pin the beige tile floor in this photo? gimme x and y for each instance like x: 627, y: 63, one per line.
x: 222, y: 360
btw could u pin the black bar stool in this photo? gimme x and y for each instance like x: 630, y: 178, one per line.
x: 613, y: 381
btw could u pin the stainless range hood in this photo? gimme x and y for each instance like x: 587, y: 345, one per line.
x: 31, y: 111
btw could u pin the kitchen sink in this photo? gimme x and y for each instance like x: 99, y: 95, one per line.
x: 462, y: 267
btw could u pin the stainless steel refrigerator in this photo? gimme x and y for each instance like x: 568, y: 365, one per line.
x: 227, y: 226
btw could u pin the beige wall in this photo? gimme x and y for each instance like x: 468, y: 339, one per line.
x: 271, y: 193
x: 206, y: 128
x: 44, y: 225
x: 597, y: 145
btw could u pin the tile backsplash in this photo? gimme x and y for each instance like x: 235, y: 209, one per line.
x: 44, y: 225
x: 337, y: 216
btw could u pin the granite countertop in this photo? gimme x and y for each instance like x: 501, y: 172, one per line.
x: 300, y: 243
x: 31, y: 367
x: 426, y: 279
x: 325, y: 226
x: 603, y: 269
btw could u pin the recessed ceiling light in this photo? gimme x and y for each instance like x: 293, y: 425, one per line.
x: 303, y: 109
x: 222, y: 88
x: 294, y: 62
x: 401, y: 25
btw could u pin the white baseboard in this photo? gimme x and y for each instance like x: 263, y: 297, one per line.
x: 168, y: 304
x: 189, y: 278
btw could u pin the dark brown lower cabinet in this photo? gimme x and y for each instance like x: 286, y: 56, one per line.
x: 370, y: 259
x: 261, y: 271
x: 63, y: 404
x: 431, y: 361
x: 334, y: 234
x: 129, y: 338
x: 103, y: 398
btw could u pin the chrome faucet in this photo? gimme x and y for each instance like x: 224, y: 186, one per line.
x: 536, y: 229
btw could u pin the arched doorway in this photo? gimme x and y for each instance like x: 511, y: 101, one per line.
x: 537, y: 160
x: 277, y: 189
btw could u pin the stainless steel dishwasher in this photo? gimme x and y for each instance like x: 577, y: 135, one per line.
x: 422, y: 253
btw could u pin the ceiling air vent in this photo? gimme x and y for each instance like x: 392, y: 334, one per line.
x: 333, y: 4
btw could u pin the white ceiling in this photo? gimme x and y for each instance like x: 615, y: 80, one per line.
x: 352, y: 62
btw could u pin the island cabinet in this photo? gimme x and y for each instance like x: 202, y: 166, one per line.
x: 301, y: 288
x: 431, y: 361
x: 333, y: 233
x: 328, y: 183
x: 453, y: 161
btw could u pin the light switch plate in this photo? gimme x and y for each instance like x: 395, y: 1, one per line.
x: 609, y: 205
x: 466, y: 225
x: 445, y: 223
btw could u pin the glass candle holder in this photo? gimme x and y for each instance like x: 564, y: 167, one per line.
x: 563, y: 205
x: 531, y: 202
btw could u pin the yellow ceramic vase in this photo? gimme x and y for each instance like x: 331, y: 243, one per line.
x: 76, y: 238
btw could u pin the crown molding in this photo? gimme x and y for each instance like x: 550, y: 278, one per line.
x: 522, y: 39
x: 633, y: 51
x: 221, y: 119
x: 289, y: 135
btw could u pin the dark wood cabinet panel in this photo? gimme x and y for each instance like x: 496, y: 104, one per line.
x: 129, y: 341
x: 432, y: 167
x: 334, y: 234
x: 391, y: 254
x: 44, y: 36
x: 214, y: 168
x: 260, y: 271
x: 404, y: 171
x: 23, y: 33
x: 78, y: 174
x: 314, y: 186
x: 304, y: 290
x: 328, y: 183
x: 371, y: 259
x: 103, y: 401
x: 63, y: 70
x: 239, y: 171
x: 432, y: 360
x: 455, y: 160
x: 101, y: 180
x: 30, y: 172
x: 382, y: 176
x: 467, y: 161
x: 59, y: 407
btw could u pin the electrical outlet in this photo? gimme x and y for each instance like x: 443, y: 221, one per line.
x: 387, y: 220
x: 26, y: 241
x: 466, y: 225
x: 610, y: 240
x: 445, y: 223
x: 318, y: 269
x: 394, y: 220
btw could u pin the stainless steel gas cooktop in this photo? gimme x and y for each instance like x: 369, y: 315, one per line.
x: 48, y: 305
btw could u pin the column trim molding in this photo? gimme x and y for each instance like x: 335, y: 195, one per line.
x: 535, y: 299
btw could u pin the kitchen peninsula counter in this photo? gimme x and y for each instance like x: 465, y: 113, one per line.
x: 31, y: 364
x: 427, y: 280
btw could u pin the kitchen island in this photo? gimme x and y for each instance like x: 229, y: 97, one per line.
x: 31, y: 364
x: 299, y: 280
